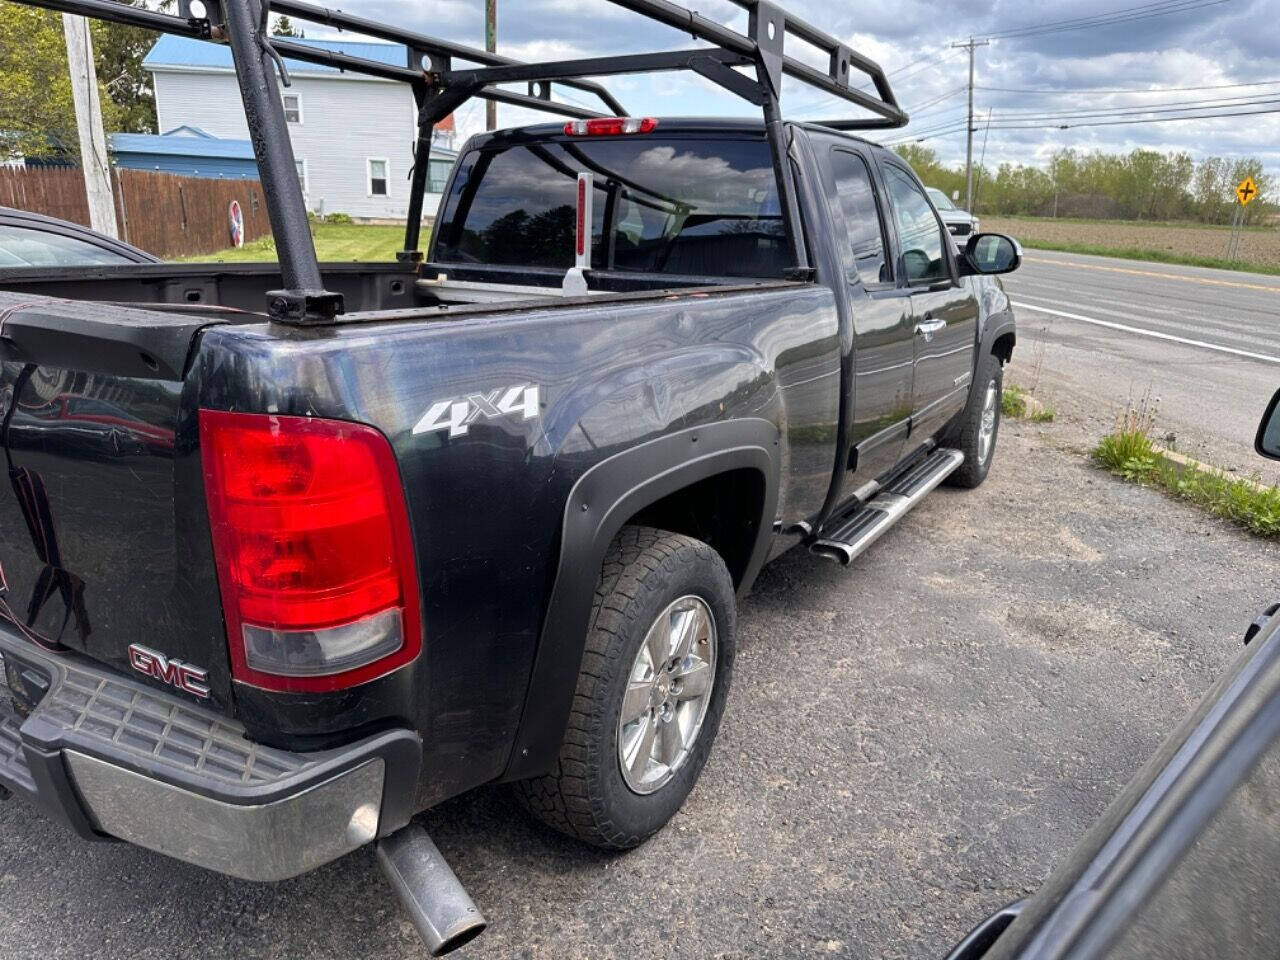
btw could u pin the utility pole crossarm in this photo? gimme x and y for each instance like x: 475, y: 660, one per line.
x: 971, y: 45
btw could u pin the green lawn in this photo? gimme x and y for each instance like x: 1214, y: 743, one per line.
x: 334, y: 241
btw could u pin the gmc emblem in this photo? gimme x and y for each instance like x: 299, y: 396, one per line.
x: 175, y: 673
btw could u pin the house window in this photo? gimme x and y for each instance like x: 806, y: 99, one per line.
x: 378, y: 177
x: 292, y: 108
x: 438, y: 175
x: 301, y: 167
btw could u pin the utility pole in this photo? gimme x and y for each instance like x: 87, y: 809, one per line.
x: 93, y: 143
x: 972, y: 45
x: 491, y: 44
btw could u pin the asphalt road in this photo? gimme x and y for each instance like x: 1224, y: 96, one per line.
x: 909, y: 743
x: 1096, y: 333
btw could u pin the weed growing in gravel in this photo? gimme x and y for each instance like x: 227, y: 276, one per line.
x: 1013, y: 402
x: 1021, y: 405
x: 1130, y: 453
x: 1128, y: 450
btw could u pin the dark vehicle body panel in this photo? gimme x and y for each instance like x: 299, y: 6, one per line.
x: 774, y: 401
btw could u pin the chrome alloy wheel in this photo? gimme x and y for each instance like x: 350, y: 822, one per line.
x: 987, y: 427
x: 668, y: 691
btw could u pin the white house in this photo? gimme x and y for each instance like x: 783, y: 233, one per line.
x: 352, y: 135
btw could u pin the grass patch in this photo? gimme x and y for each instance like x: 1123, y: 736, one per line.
x: 1154, y: 256
x: 1129, y: 453
x: 1019, y: 404
x: 334, y: 241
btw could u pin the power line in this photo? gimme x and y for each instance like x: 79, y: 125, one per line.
x: 982, y: 159
x: 1180, y: 7
x: 1172, y: 106
x: 1068, y: 21
x: 917, y: 108
x: 1082, y: 90
x: 907, y: 66
x: 943, y: 59
x: 943, y: 54
x: 1132, y: 110
x: 1112, y: 123
x: 933, y: 116
x: 940, y: 97
x: 1087, y: 123
x: 947, y: 128
x: 1126, y: 15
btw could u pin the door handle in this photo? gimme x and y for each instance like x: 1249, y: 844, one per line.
x: 929, y: 326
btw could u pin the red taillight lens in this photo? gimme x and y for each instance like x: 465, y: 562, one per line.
x: 610, y: 126
x: 311, y: 541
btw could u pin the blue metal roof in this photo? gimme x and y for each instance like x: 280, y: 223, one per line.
x: 173, y: 51
x: 180, y: 146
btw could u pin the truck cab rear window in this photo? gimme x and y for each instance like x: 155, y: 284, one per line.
x: 677, y: 206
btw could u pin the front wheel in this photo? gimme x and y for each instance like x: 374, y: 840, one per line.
x: 655, y: 675
x: 974, y: 434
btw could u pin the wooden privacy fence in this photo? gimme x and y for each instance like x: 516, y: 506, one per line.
x: 165, y: 214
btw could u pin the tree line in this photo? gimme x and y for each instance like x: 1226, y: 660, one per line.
x: 1141, y: 185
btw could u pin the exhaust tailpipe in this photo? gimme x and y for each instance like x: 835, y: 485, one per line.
x: 437, y: 903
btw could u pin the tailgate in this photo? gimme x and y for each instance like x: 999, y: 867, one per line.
x: 103, y: 536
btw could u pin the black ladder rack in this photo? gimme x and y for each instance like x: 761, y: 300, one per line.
x: 439, y: 89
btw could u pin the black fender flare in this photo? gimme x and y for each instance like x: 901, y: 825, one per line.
x: 997, y: 325
x: 599, y: 504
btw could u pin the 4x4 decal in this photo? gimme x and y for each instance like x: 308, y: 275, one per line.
x: 456, y: 416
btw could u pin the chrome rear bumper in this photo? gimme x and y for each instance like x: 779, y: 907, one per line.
x: 106, y: 755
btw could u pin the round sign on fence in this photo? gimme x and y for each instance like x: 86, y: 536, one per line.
x: 235, y: 220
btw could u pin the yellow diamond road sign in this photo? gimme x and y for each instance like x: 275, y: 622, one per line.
x: 1246, y: 190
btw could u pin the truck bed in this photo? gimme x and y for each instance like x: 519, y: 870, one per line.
x: 211, y: 289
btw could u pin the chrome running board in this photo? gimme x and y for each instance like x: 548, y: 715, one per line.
x: 849, y: 535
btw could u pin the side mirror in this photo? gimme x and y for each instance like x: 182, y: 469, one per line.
x: 1267, y: 442
x: 990, y: 253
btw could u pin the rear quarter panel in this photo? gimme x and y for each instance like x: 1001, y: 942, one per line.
x: 487, y: 506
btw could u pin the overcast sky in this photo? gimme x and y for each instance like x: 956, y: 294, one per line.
x: 1196, y: 43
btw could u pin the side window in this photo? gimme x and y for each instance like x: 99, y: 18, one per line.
x: 923, y: 247
x: 292, y: 108
x: 864, y: 256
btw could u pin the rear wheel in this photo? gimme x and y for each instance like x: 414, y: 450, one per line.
x: 655, y: 675
x: 974, y: 434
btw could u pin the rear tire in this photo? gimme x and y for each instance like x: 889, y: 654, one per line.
x: 975, y: 433
x: 665, y: 600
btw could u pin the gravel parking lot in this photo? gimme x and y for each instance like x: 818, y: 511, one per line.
x: 909, y: 744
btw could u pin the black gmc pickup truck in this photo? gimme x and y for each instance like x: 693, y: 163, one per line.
x: 292, y: 552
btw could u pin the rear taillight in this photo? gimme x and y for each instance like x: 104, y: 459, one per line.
x: 610, y: 126
x: 311, y: 540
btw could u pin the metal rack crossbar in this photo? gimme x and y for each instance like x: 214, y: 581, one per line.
x: 750, y: 65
